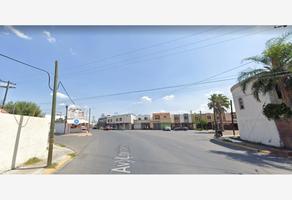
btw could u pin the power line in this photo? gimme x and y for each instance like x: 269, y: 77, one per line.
x: 168, y: 87
x: 152, y: 89
x: 204, y: 88
x: 146, y: 47
x: 31, y: 66
x: 40, y: 69
x: 174, y: 53
x: 153, y: 53
x: 175, y: 86
x: 60, y: 83
x: 105, y: 66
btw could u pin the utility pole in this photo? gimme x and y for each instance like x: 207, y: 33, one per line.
x: 7, y: 86
x: 53, y: 113
x: 89, y: 113
x: 201, y: 120
x: 66, y: 117
x: 232, y: 121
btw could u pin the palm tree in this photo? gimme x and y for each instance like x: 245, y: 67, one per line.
x: 276, y: 60
x: 219, y: 103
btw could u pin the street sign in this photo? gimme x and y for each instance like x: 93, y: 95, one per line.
x: 76, y: 121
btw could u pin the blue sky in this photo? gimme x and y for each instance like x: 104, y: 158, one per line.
x: 98, y: 60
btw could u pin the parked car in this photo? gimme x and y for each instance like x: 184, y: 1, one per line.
x: 83, y: 128
x: 107, y: 128
x: 181, y: 128
x: 167, y: 128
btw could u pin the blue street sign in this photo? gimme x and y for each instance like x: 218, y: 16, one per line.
x: 76, y: 121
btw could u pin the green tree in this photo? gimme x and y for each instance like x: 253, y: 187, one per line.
x: 276, y: 62
x: 202, y: 124
x: 23, y: 108
x: 219, y: 103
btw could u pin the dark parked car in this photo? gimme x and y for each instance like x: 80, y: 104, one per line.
x: 181, y: 129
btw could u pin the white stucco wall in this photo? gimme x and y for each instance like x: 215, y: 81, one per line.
x: 253, y: 125
x: 126, y: 118
x: 33, y: 139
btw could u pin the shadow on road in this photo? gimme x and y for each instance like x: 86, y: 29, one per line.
x: 252, y: 157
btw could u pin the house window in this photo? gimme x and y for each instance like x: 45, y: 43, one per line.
x: 156, y: 117
x: 145, y: 118
x: 120, y: 119
x: 164, y: 116
x: 117, y: 119
x: 208, y: 117
x: 139, y: 118
x: 241, y: 105
x: 186, y: 117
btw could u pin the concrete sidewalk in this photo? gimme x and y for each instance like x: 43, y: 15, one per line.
x: 260, y: 148
x: 61, y: 156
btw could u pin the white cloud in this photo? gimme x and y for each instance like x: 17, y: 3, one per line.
x: 168, y: 97
x: 18, y: 33
x: 61, y: 95
x: 146, y: 99
x: 49, y: 37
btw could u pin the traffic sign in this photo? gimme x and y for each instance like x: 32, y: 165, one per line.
x: 76, y: 121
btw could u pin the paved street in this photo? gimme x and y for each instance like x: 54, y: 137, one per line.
x: 159, y: 152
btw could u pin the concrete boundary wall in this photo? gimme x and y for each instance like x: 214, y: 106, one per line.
x: 21, y: 138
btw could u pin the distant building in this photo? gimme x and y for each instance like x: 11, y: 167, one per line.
x: 160, y: 120
x: 121, y: 122
x: 182, y: 120
x: 102, y: 122
x: 142, y: 122
x: 74, y: 114
x: 227, y: 120
x: 253, y: 125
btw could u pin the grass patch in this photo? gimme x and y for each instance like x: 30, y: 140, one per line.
x: 32, y: 161
x: 61, y: 145
x: 226, y: 140
x: 53, y: 165
x: 72, y: 155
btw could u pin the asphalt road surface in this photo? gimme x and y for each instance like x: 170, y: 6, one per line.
x: 162, y: 152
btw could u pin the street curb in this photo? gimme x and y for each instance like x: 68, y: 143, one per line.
x: 59, y: 166
x: 277, y: 152
x: 78, y: 134
x: 234, y: 144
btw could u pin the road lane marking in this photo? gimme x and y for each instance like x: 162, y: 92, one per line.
x: 123, y: 160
